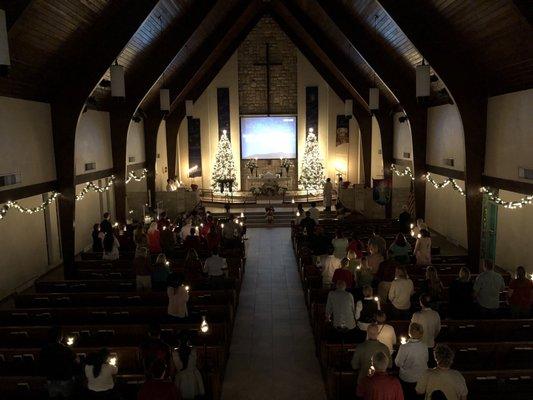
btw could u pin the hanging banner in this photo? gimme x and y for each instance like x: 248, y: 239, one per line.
x: 343, y: 130
x: 381, y: 191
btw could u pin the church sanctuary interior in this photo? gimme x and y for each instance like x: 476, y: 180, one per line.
x: 266, y: 199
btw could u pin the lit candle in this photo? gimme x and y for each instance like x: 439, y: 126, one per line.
x: 116, y: 224
x: 70, y: 341
x: 412, y: 226
x: 403, y: 340
x: 204, y: 327
x: 222, y: 226
x: 167, y: 263
x: 242, y: 215
x: 187, y: 288
x: 113, y: 361
x: 297, y: 213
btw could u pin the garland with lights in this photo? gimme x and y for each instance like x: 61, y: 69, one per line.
x: 131, y: 175
x: 406, y: 172
x: 92, y: 187
x: 507, y: 204
x: 445, y: 183
x: 24, y: 210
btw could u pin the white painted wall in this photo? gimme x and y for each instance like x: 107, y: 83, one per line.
x: 93, y: 142
x: 446, y: 211
x: 445, y: 137
x: 402, y: 139
x: 509, y: 135
x: 23, y: 243
x: 135, y: 143
x: 515, y: 229
x: 377, y: 156
x: 27, y: 145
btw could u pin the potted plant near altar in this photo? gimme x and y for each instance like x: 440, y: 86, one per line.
x: 251, y: 164
x: 287, y: 164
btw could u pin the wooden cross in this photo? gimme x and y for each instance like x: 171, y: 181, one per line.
x: 268, y: 64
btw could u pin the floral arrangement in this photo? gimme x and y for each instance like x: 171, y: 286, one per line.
x: 287, y: 163
x: 251, y: 164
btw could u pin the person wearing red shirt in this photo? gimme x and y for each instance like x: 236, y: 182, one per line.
x: 379, y: 385
x: 520, y: 294
x: 343, y: 274
x: 154, y: 243
x: 158, y: 387
x: 356, y: 246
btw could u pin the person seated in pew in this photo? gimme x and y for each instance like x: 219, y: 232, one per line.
x: 362, y: 356
x: 461, y: 296
x: 160, y: 273
x: 142, y: 267
x: 399, y: 249
x: 308, y: 223
x: 158, y: 386
x: 58, y: 364
x: 520, y: 294
x: 387, y: 334
x: 433, y: 286
x: 412, y: 360
x: 365, y: 310
x: 154, y: 239
x: 178, y: 296
x: 430, y: 321
x: 98, y: 237
x: 443, y: 378
x: 100, y: 371
x: 153, y: 348
x: 215, y: 268
x: 400, y: 293
x: 487, y: 288
x: 331, y: 263
x: 340, y: 245
x: 188, y: 378
x: 378, y: 384
x: 340, y: 309
x: 343, y: 273
x: 111, y: 247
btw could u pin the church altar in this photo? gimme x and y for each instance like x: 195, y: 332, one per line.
x: 268, y: 179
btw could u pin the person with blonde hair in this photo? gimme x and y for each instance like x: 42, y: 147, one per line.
x: 412, y: 360
x: 443, y: 378
x: 401, y: 290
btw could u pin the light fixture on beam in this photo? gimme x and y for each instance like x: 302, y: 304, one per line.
x: 348, y: 108
x: 189, y: 106
x: 373, y: 99
x: 423, y: 80
x: 164, y: 99
x: 5, y: 61
x: 118, y: 87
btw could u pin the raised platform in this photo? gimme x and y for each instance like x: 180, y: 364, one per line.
x: 245, y: 197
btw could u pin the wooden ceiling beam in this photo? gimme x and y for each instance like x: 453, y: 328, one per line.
x: 435, y: 39
x: 396, y: 76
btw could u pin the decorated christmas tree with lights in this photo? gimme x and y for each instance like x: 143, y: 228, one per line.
x: 312, y: 175
x: 224, y: 176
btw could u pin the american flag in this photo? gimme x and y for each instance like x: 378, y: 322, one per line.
x: 411, y: 200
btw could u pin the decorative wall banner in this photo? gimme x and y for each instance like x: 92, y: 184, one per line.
x: 343, y: 130
x: 381, y: 192
x: 311, y: 109
x: 195, y: 149
x: 223, y: 112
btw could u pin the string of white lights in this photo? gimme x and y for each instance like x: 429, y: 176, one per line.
x: 507, y: 204
x: 446, y: 182
x: 131, y: 175
x: 92, y: 187
x: 32, y: 210
x: 406, y: 172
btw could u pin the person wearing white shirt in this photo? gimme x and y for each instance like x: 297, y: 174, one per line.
x: 215, y: 265
x: 366, y: 309
x: 487, y: 288
x: 315, y: 213
x: 412, y: 359
x: 340, y: 305
x: 400, y: 293
x: 430, y: 321
x: 386, y: 333
x: 185, y: 230
x: 100, y: 371
x: 443, y: 378
x: 331, y: 263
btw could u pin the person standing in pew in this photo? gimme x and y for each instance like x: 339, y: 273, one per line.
x: 520, y: 294
x: 111, y: 247
x: 362, y: 356
x: 160, y: 273
x: 58, y: 364
x: 188, y: 378
x: 97, y: 237
x: 331, y: 263
x: 404, y: 220
x: 105, y: 225
x: 386, y: 334
x: 461, y: 296
x: 378, y: 384
x: 344, y: 274
x: 340, y: 309
x: 340, y: 245
x: 412, y: 359
x: 142, y: 268
x: 487, y: 288
x: 100, y: 371
x: 153, y: 348
x: 400, y: 293
x: 308, y: 223
x: 166, y: 237
x: 154, y: 239
x: 422, y: 250
x: 178, y: 296
x: 365, y: 310
x: 215, y: 267
x: 443, y: 378
x: 140, y: 238
x: 433, y: 286
x: 430, y: 321
x: 158, y: 386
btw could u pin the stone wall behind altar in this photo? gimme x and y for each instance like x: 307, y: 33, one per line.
x: 273, y: 166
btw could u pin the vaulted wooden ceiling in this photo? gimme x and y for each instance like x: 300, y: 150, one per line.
x: 45, y: 37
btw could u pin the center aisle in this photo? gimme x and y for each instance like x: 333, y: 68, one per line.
x: 272, y: 355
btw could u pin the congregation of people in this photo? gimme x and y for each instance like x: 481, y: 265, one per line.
x: 370, y: 282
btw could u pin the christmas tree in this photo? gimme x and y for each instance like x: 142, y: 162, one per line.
x: 312, y: 175
x: 224, y: 168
